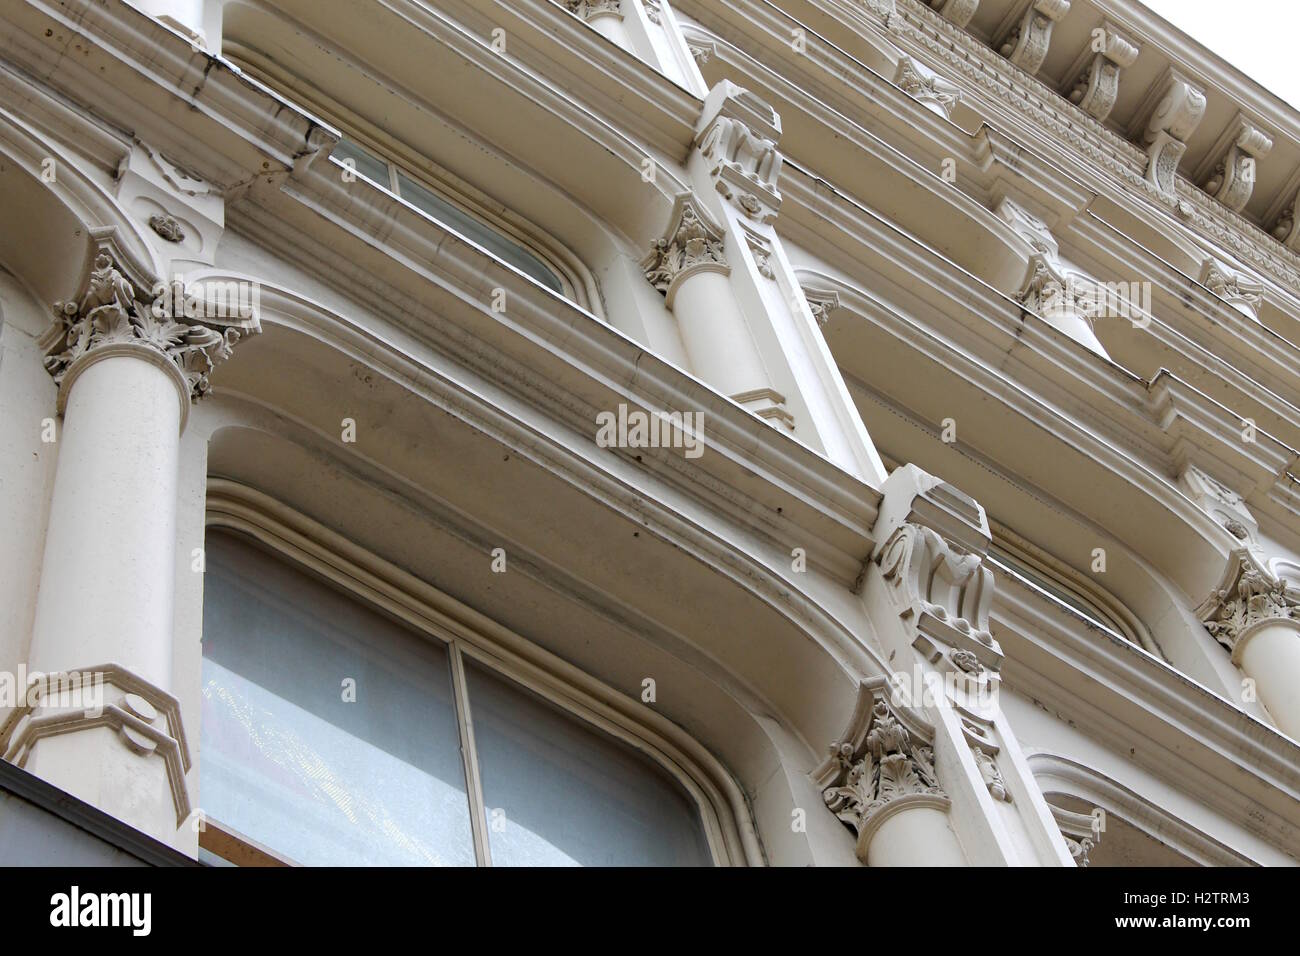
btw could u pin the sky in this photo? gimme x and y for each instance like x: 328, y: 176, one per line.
x: 1258, y: 37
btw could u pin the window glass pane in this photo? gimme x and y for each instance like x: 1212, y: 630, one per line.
x: 287, y: 759
x: 465, y: 224
x: 558, y: 792
x: 371, y: 167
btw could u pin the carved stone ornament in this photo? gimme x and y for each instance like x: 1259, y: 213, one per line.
x: 1097, y: 85
x: 1239, y: 291
x: 822, y: 304
x: 924, y: 86
x: 882, y: 764
x: 653, y: 12
x: 1027, y: 42
x: 112, y: 312
x: 1232, y: 179
x: 1249, y: 596
x: 1051, y: 291
x: 1221, y: 503
x: 737, y: 136
x: 1173, y: 120
x: 591, y: 9
x: 1286, y: 227
x: 932, y: 559
x: 1081, y: 831
x: 1032, y: 229
x: 958, y: 12
x: 167, y: 227
x: 691, y: 245
x: 990, y: 774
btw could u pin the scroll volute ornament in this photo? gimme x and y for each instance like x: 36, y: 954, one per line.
x: 1232, y: 180
x: 1027, y: 43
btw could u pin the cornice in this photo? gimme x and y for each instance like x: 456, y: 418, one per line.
x: 192, y: 105
x: 754, y: 471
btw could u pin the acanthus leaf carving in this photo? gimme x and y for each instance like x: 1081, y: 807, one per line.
x: 112, y: 312
x: 876, y: 763
x: 690, y: 245
x: 1240, y: 291
x: 1248, y: 596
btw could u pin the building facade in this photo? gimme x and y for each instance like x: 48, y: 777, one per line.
x: 706, y: 432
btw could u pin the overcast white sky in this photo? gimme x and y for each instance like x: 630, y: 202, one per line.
x: 1258, y: 37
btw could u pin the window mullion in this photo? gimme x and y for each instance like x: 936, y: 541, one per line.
x: 478, y: 811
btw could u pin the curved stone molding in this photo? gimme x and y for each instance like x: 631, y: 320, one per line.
x: 145, y: 717
x: 1027, y: 43
x: 1172, y: 122
x: 1232, y: 180
x: 692, y: 244
x: 1239, y: 291
x: 1248, y: 596
x: 958, y: 12
x: 112, y: 313
x: 737, y: 136
x: 1097, y: 84
x: 923, y: 85
x: 883, y: 763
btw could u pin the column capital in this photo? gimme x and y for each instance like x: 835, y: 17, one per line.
x: 882, y: 763
x: 1248, y: 596
x: 121, y: 310
x: 592, y: 9
x: 691, y: 244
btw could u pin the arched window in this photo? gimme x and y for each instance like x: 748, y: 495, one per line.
x: 334, y: 734
x: 417, y: 179
x: 1064, y: 586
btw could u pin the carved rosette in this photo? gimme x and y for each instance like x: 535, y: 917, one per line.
x: 691, y: 245
x: 880, y: 766
x: 737, y: 136
x: 1249, y: 596
x: 932, y: 91
x: 1232, y: 180
x: 1172, y: 122
x: 112, y: 312
x: 1027, y: 42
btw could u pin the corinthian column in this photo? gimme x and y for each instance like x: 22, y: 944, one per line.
x: 603, y: 16
x: 1253, y: 616
x: 689, y: 266
x: 99, y: 720
x: 880, y: 780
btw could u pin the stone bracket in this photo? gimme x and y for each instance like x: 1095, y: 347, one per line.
x: 1026, y: 43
